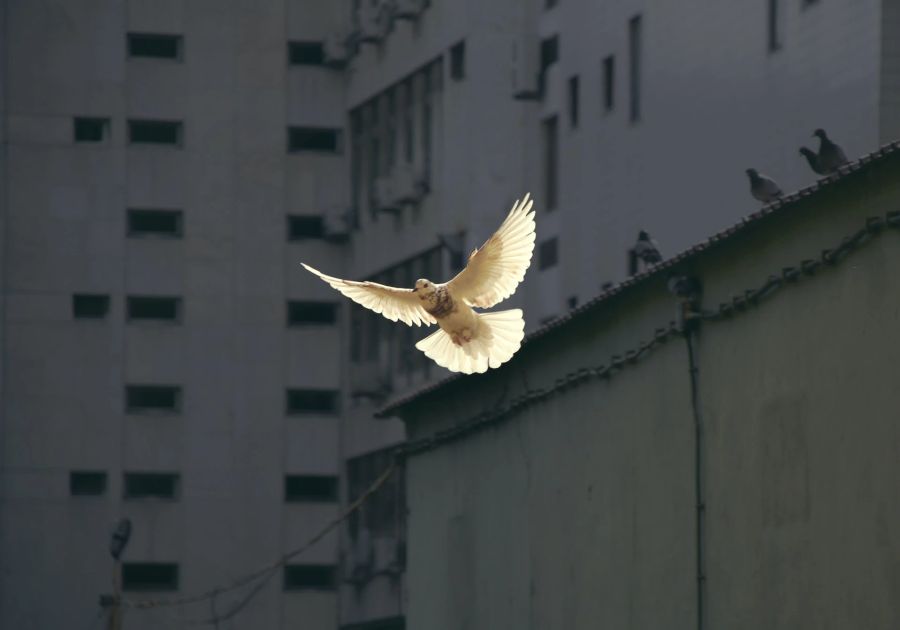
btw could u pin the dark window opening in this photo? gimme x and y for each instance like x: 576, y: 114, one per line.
x: 548, y: 254
x: 91, y: 129
x: 458, y: 61
x: 774, y: 25
x: 87, y: 483
x: 319, y: 577
x: 149, y: 576
x: 314, y: 139
x: 551, y: 159
x: 312, y: 401
x: 306, y: 53
x: 154, y: 132
x: 152, y: 398
x: 154, y: 45
x: 89, y: 306
x: 549, y: 56
x: 303, y: 227
x: 573, y: 101
x: 150, y: 485
x: 609, y: 83
x: 165, y: 223
x: 310, y: 488
x: 634, y: 70
x: 154, y: 308
x: 572, y: 302
x: 311, y: 313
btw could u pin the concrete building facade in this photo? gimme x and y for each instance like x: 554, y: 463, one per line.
x: 625, y: 471
x: 166, y: 165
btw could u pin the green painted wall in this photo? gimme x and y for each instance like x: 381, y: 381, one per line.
x: 579, y: 511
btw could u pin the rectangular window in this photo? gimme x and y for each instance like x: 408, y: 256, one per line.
x: 357, y: 142
x: 303, y: 577
x: 549, y: 56
x: 85, y: 483
x: 312, y: 401
x: 311, y: 313
x: 458, y: 61
x: 161, y: 223
x: 427, y: 114
x: 155, y: 46
x: 408, y: 124
x: 153, y: 398
x: 306, y: 53
x: 167, y: 132
x: 310, y: 488
x: 774, y: 25
x: 149, y: 576
x: 551, y: 166
x: 151, y: 486
x: 301, y: 227
x: 573, y: 101
x: 91, y: 129
x: 609, y: 83
x: 548, y: 254
x: 634, y: 67
x: 390, y: 145
x: 157, y: 309
x: 314, y: 139
x: 90, y: 306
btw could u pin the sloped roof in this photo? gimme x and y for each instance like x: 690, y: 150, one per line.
x: 775, y: 208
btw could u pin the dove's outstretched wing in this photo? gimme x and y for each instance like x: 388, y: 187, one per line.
x: 494, y: 270
x: 392, y: 302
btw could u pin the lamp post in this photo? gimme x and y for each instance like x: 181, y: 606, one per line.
x: 117, y: 543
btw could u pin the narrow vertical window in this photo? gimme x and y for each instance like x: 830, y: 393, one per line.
x: 426, y: 122
x: 774, y: 25
x: 548, y: 253
x: 356, y: 163
x: 573, y: 101
x: 458, y: 61
x: 551, y: 166
x: 390, y: 156
x: 408, y: 128
x: 634, y: 66
x: 609, y: 83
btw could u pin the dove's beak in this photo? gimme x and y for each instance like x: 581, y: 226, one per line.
x: 415, y: 289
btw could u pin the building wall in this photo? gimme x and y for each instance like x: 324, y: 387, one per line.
x: 232, y: 442
x: 581, y: 509
x: 714, y: 101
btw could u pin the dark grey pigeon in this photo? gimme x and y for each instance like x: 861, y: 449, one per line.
x: 645, y: 250
x: 813, y: 158
x: 763, y: 188
x: 831, y: 156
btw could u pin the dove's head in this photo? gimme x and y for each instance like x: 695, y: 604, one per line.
x: 820, y: 134
x: 424, y: 288
x: 643, y: 236
x: 753, y: 173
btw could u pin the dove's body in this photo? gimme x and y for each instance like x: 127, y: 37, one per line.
x: 467, y: 341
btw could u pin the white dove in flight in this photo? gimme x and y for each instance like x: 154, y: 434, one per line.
x: 467, y: 341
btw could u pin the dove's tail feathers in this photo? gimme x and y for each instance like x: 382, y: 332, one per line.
x: 495, y: 341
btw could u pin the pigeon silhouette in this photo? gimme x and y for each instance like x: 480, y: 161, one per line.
x: 831, y: 156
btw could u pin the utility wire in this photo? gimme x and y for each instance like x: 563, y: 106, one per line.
x: 267, y: 571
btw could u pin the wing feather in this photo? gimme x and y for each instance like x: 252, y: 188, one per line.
x: 394, y: 303
x: 496, y: 269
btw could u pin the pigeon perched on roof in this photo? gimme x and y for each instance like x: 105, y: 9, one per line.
x: 763, y: 188
x: 831, y: 156
x: 467, y: 341
x: 813, y: 159
x: 645, y: 250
